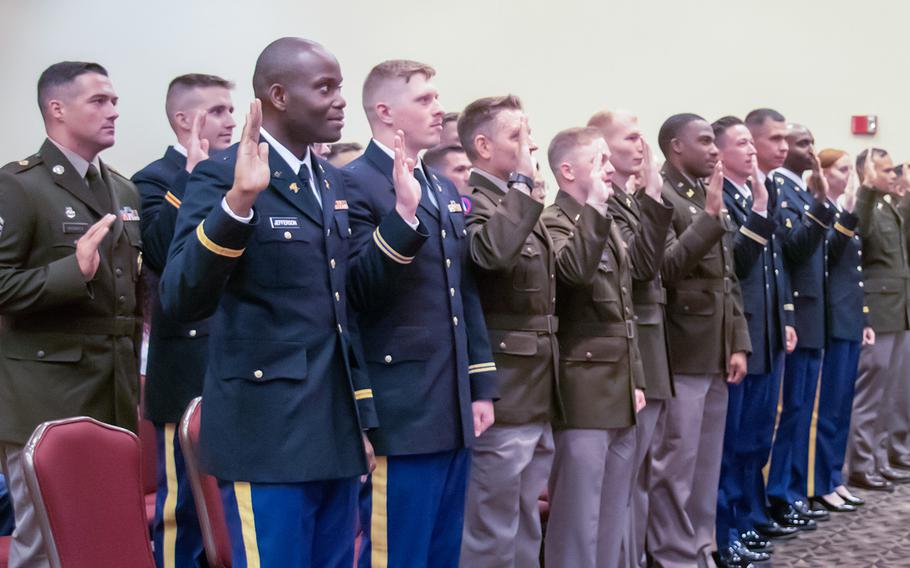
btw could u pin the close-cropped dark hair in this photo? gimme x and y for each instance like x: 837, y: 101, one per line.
x: 671, y: 129
x: 758, y: 116
x: 721, y: 125
x: 478, y: 115
x: 434, y: 157
x: 63, y: 73
x: 861, y: 157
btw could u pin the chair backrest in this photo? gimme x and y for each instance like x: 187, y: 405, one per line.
x: 86, y: 481
x: 206, y: 494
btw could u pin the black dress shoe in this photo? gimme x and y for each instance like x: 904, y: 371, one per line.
x: 894, y: 475
x: 748, y: 554
x: 774, y: 530
x: 787, y: 516
x: 729, y: 558
x: 805, y: 510
x: 842, y: 508
x: 902, y: 462
x: 873, y: 481
x: 852, y: 500
x: 756, y: 542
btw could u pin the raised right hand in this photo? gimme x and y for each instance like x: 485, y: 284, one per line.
x: 870, y: 174
x: 759, y: 191
x: 87, y: 246
x: 651, y: 172
x: 407, y: 188
x: 525, y: 164
x: 714, y: 195
x: 251, y: 173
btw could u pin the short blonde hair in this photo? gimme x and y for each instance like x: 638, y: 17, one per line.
x: 393, y: 69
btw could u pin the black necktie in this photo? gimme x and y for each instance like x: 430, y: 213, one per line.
x: 425, y: 186
x: 99, y: 189
x: 306, y: 189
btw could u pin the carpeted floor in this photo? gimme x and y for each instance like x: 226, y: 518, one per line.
x: 878, y: 535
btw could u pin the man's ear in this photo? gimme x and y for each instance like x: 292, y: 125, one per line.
x: 483, y: 147
x: 182, y: 121
x: 55, y: 109
x: 277, y: 96
x: 676, y: 146
x: 567, y: 171
x: 383, y: 113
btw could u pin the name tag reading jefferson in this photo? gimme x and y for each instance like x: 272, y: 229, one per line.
x: 284, y: 222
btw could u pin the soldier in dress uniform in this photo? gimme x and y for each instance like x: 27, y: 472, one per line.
x: 199, y: 111
x: 768, y: 305
x: 70, y: 256
x: 883, y: 224
x: 704, y: 302
x: 425, y: 341
x: 515, y: 266
x: 601, y: 371
x: 261, y: 246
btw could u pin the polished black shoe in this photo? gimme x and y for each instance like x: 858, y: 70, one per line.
x: 748, y: 554
x: 774, y: 530
x: 787, y: 516
x: 756, y: 542
x: 808, y: 512
x: 902, y: 462
x: 852, y: 499
x: 894, y: 475
x: 834, y: 508
x: 729, y: 558
x: 871, y: 481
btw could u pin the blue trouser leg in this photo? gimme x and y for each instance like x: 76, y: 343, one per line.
x: 730, y: 490
x: 415, y: 513
x: 834, y: 407
x: 307, y: 524
x: 175, y: 529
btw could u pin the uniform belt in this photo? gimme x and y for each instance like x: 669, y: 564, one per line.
x: 625, y: 329
x: 517, y: 322
x: 705, y: 284
x: 649, y: 295
x: 118, y: 325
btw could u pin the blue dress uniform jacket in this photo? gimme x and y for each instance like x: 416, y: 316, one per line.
x: 802, y: 223
x: 759, y: 264
x: 845, y: 279
x: 178, y: 351
x: 426, y: 344
x: 283, y: 375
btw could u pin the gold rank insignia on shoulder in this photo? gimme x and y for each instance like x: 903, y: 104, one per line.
x: 58, y: 169
x: 276, y: 175
x: 293, y: 187
x: 780, y: 181
x: 879, y: 205
x: 690, y: 193
x: 454, y: 207
x: 788, y: 223
x: 693, y: 210
x: 887, y: 199
x: 628, y: 202
x: 783, y: 204
x: 327, y: 184
x: 23, y: 162
x: 341, y: 205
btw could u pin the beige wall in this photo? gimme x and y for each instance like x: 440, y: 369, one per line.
x: 566, y: 59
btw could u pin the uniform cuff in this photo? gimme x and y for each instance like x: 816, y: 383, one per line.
x: 821, y: 214
x: 483, y: 381
x: 395, y: 238
x: 65, y: 280
x: 223, y: 234
x: 758, y: 228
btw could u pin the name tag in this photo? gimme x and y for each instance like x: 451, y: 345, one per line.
x: 341, y: 205
x: 129, y: 214
x: 284, y: 222
x: 75, y: 228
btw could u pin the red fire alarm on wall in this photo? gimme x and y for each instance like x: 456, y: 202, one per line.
x: 864, y: 124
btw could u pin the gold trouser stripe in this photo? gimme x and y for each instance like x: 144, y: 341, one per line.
x: 363, y: 393
x: 379, y: 518
x: 215, y: 248
x: 765, y: 471
x: 169, y: 515
x: 841, y: 229
x: 753, y: 235
x: 244, y: 496
x: 813, y: 435
x: 388, y: 250
x: 172, y: 199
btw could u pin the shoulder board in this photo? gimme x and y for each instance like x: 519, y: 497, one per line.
x: 22, y: 165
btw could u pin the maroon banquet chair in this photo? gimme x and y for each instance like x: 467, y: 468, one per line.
x: 148, y: 442
x: 85, y: 478
x: 4, y: 551
x: 206, y: 495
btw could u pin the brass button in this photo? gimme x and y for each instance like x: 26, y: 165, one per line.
x: 860, y: 284
x: 443, y: 233
x: 452, y: 292
x: 41, y: 354
x: 340, y: 329
x: 257, y: 373
x: 192, y: 333
x: 337, y: 297
x: 118, y: 272
x: 859, y: 268
x: 328, y: 232
x: 502, y: 345
x: 448, y: 263
x: 588, y: 355
x: 349, y: 231
x: 455, y: 321
x: 388, y: 359
x: 122, y: 299
x: 287, y: 235
x: 332, y: 263
x: 464, y: 232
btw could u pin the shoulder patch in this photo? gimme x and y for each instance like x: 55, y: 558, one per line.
x: 466, y: 204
